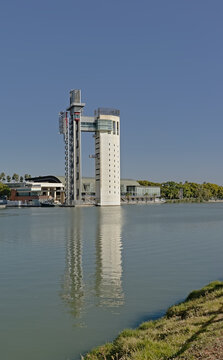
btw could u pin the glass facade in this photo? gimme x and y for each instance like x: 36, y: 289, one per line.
x: 104, y: 125
x: 149, y: 191
x: 88, y: 126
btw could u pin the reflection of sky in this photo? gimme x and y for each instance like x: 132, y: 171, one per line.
x: 108, y: 265
x: 109, y: 257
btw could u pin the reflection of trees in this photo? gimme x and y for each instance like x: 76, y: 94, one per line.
x: 108, y: 257
x: 73, y: 292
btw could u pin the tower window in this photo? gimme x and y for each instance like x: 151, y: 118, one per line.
x: 114, y: 127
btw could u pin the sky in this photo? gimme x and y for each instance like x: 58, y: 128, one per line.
x: 159, y: 62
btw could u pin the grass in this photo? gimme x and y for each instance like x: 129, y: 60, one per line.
x: 185, y: 331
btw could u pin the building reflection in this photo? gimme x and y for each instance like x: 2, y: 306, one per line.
x: 108, y: 279
x: 73, y: 285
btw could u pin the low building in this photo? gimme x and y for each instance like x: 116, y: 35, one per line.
x: 32, y: 191
x: 50, y: 187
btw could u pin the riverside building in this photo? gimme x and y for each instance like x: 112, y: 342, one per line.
x: 50, y: 187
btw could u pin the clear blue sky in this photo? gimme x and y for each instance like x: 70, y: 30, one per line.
x: 160, y: 62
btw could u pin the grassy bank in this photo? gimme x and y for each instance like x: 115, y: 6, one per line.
x: 190, y: 330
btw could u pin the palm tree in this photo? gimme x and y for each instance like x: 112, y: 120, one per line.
x: 2, y: 176
x: 27, y: 176
x: 15, y: 177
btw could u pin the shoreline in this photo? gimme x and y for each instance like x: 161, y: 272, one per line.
x: 192, y: 329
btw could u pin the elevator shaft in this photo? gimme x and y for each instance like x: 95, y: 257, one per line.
x: 74, y: 133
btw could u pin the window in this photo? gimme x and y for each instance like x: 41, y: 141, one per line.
x: 114, y: 127
x: 117, y: 128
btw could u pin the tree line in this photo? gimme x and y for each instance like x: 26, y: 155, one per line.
x: 187, y: 190
x: 15, y: 177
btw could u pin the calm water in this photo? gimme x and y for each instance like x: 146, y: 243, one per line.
x: 71, y: 279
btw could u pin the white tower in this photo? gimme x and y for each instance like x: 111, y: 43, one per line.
x: 106, y: 126
x: 107, y: 157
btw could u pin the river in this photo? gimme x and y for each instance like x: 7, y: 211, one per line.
x: 73, y: 278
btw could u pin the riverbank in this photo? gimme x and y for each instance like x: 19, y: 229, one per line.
x: 190, y: 330
x: 191, y: 201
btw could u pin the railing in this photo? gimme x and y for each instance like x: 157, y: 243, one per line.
x: 107, y: 111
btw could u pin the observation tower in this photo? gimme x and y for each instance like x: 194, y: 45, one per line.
x: 105, y: 124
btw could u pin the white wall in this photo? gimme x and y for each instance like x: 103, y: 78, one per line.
x: 107, y: 150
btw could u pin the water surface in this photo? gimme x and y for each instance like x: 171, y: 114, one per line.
x: 72, y: 278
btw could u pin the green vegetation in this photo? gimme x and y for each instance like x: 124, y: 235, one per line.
x: 15, y: 177
x: 4, y: 190
x: 2, y: 176
x: 190, y: 330
x: 188, y: 190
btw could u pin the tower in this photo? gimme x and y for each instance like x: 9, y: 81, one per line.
x: 107, y: 156
x: 106, y: 126
x: 70, y: 127
x: 75, y: 176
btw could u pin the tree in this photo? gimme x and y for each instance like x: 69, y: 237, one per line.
x: 15, y: 177
x: 170, y: 190
x: 146, y: 195
x: 148, y: 183
x: 21, y: 179
x: 4, y: 190
x: 128, y: 196
x: 220, y: 192
x: 2, y: 176
x: 27, y: 176
x: 188, y: 190
x: 8, y: 178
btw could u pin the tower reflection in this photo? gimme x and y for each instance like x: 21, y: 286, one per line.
x: 106, y: 224
x: 73, y: 286
x: 108, y: 279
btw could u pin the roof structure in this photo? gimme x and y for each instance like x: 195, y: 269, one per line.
x: 48, y: 178
x: 61, y: 179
